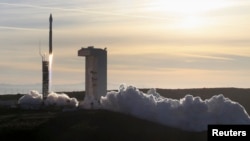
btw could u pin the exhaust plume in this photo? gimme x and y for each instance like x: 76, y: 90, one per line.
x: 188, y: 113
x: 34, y: 100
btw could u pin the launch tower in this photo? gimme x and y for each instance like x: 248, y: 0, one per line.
x: 95, y: 72
x: 45, y: 71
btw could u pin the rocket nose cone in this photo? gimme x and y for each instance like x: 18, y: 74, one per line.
x: 50, y: 18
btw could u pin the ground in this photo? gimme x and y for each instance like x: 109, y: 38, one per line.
x: 86, y: 125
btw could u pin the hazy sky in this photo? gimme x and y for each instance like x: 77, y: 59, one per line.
x: 150, y: 43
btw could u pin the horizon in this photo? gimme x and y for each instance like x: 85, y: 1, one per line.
x: 150, y: 44
x: 26, y: 88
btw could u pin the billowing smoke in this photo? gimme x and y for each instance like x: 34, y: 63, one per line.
x: 189, y: 113
x: 60, y: 100
x: 90, y: 102
x: 34, y: 100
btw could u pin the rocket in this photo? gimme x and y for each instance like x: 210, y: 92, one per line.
x: 50, y: 33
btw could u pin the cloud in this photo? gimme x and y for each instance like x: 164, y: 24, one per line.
x: 89, y: 10
x: 144, y: 39
x: 21, y: 28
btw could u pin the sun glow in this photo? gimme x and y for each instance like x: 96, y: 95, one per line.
x: 190, y: 6
x: 191, y: 22
x: 189, y: 14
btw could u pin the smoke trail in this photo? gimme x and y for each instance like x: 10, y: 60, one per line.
x: 188, y: 113
x: 50, y: 71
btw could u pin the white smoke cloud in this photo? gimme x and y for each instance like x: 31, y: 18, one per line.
x: 34, y: 100
x: 90, y: 102
x: 189, y: 113
x: 60, y: 100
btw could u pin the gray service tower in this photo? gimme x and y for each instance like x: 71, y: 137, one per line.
x: 95, y: 72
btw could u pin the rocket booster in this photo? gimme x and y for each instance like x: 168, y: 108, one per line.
x: 50, y: 33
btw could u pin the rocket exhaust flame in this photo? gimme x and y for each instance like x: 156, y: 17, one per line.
x: 50, y: 71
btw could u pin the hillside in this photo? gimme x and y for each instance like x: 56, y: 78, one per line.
x: 86, y: 125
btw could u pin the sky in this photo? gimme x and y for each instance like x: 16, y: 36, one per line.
x: 150, y: 43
